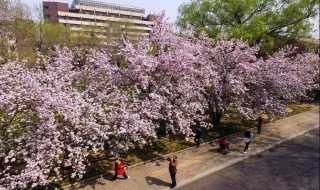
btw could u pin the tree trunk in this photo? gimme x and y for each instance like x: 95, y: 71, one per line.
x: 2, y: 164
x: 218, y: 112
x: 218, y: 115
x: 211, y: 112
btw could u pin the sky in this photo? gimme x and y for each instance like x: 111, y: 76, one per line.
x: 157, y: 6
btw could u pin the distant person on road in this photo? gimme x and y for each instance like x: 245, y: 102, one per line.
x: 119, y: 167
x: 248, y: 135
x: 173, y: 170
x: 198, y: 136
x: 259, y: 124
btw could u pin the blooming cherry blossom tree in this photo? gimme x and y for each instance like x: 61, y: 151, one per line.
x: 73, y: 102
x: 163, y: 72
x: 286, y: 75
x: 251, y: 85
x: 233, y: 67
x: 49, y: 122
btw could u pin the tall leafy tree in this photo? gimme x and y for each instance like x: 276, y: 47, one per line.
x: 24, y: 31
x: 105, y: 35
x: 12, y: 14
x: 257, y: 21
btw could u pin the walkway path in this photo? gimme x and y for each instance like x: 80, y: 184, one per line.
x: 195, y: 163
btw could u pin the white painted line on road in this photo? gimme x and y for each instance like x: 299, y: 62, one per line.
x: 309, y: 135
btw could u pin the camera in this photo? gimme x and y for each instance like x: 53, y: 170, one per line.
x: 168, y: 158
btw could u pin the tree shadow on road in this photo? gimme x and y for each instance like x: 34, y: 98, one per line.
x: 155, y: 181
x: 214, y: 150
x: 98, y: 180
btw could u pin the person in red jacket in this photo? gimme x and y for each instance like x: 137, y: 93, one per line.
x: 223, y: 143
x: 259, y: 124
x: 119, y: 166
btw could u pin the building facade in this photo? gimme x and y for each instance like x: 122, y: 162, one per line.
x: 102, y: 14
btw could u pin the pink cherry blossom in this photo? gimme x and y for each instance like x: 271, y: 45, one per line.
x: 73, y: 102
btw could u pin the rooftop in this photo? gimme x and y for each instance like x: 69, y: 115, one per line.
x: 105, y: 5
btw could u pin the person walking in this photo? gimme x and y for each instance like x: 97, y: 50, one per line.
x: 119, y: 167
x: 311, y: 99
x: 259, y: 124
x: 248, y: 135
x: 173, y: 170
x: 198, y: 136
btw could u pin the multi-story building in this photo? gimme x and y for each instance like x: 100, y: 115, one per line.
x: 88, y: 12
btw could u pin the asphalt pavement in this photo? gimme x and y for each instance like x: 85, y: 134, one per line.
x: 291, y: 165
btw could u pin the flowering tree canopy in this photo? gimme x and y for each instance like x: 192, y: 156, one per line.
x: 72, y: 102
x: 285, y: 75
x: 48, y: 123
x: 251, y: 85
x: 165, y: 73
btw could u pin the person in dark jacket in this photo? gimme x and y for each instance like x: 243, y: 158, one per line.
x: 311, y: 99
x: 259, y: 124
x: 173, y: 170
x: 198, y: 136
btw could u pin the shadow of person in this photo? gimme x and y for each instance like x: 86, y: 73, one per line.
x: 108, y: 177
x: 155, y: 181
x: 214, y: 150
x: 98, y: 180
x: 91, y: 183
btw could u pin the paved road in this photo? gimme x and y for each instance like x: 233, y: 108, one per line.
x: 292, y: 165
